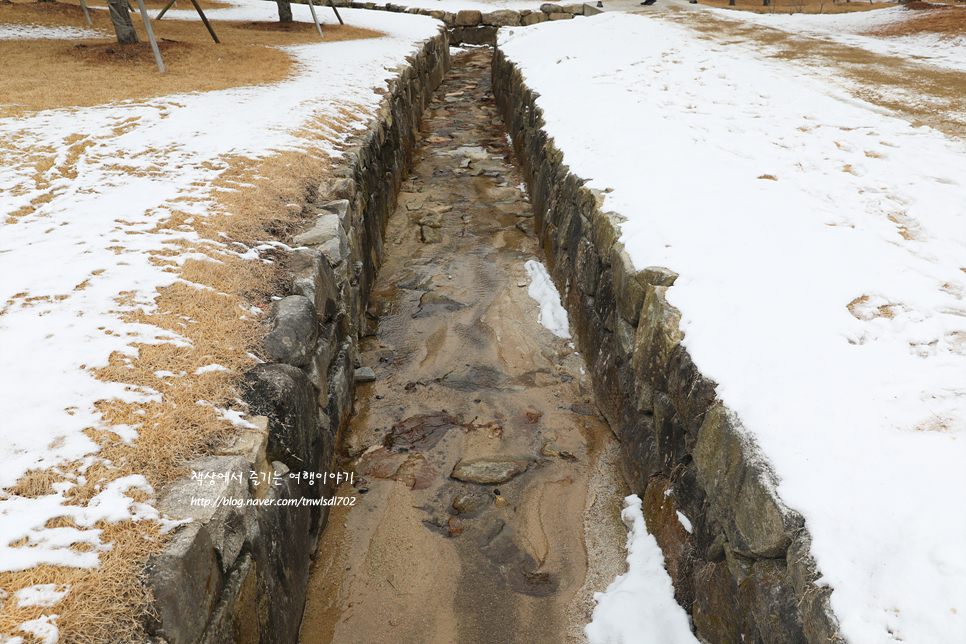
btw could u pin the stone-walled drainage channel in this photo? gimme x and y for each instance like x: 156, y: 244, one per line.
x: 487, y: 494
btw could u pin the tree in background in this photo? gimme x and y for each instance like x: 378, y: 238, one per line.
x: 121, y: 20
x: 284, y: 10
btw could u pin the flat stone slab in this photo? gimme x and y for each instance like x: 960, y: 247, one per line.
x: 490, y: 469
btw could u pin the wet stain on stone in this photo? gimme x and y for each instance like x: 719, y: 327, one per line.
x: 479, y: 377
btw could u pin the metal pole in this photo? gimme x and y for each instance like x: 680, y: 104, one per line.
x: 86, y: 15
x: 154, y: 43
x: 204, y: 20
x: 165, y: 10
x: 315, y: 18
x: 332, y: 4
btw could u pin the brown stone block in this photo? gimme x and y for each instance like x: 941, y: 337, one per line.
x: 467, y: 18
x: 660, y: 514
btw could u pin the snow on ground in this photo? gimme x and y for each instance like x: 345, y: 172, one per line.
x: 485, y: 6
x: 269, y: 11
x: 553, y: 315
x: 63, y: 267
x: 37, y: 32
x: 639, y: 607
x: 848, y: 28
x: 780, y: 201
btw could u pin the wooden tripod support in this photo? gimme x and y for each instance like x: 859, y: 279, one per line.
x: 201, y: 13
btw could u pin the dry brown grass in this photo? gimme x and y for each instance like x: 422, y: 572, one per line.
x: 211, y: 309
x: 111, y: 589
x: 797, y: 6
x: 108, y: 604
x: 927, y: 18
x: 59, y: 73
x: 940, y: 18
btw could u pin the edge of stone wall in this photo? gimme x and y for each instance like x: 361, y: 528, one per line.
x: 743, y: 569
x: 240, y: 574
x: 475, y: 27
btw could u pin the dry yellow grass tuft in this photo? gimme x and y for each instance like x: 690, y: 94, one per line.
x: 98, y: 605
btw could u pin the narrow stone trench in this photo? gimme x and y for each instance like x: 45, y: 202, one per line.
x: 510, y: 546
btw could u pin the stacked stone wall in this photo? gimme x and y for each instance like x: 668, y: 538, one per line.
x: 240, y: 574
x: 476, y: 27
x: 742, y: 566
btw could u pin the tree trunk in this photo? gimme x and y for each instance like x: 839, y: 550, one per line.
x: 121, y: 19
x: 284, y: 10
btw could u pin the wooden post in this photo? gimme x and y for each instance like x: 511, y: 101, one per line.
x: 204, y: 20
x: 86, y: 15
x: 315, y: 18
x: 165, y: 10
x: 332, y: 4
x: 154, y: 43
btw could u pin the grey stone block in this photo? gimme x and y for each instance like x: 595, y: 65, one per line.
x: 741, y: 489
x: 326, y: 227
x: 587, y: 267
x: 502, y: 18
x: 327, y: 347
x: 341, y: 209
x: 802, y: 571
x: 282, y: 561
x: 185, y: 580
x: 658, y: 276
x: 294, y: 331
x: 338, y: 188
x: 692, y: 394
x: 534, y: 18
x: 625, y: 338
x: 200, y: 499
x: 235, y: 618
x: 605, y: 231
x: 314, y: 279
x: 479, y: 35
x: 717, y: 611
x: 341, y: 381
x: 668, y: 433
x: 284, y: 394
x: 629, y: 285
x: 819, y: 622
x: 768, y: 596
x: 658, y: 335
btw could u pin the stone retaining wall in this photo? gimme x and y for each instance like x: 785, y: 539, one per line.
x: 742, y: 568
x: 240, y: 574
x: 475, y: 27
